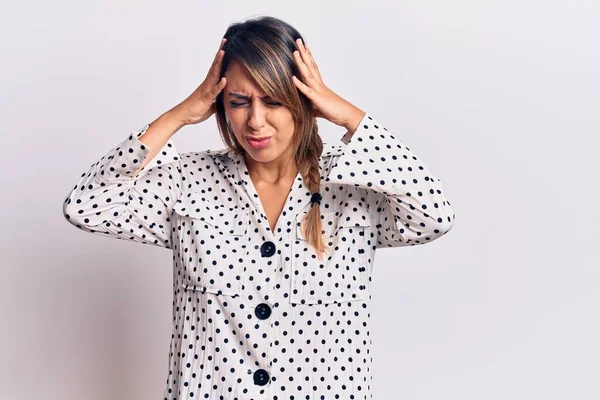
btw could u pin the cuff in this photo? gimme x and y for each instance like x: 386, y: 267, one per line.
x: 119, y: 164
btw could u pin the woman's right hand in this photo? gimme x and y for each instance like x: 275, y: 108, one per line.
x: 200, y: 105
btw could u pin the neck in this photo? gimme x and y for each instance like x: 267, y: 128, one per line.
x: 273, y: 172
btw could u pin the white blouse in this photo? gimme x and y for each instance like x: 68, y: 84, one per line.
x: 255, y: 314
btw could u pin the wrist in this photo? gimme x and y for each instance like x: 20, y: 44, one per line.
x: 354, y: 119
x: 177, y: 117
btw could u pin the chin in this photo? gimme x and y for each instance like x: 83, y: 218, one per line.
x: 259, y: 155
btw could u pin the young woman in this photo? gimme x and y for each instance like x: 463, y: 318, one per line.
x: 273, y: 237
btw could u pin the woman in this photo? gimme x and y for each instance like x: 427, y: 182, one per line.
x: 274, y: 237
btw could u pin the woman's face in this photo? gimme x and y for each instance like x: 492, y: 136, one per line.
x: 252, y: 115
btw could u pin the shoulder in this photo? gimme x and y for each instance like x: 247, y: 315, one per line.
x: 207, y: 155
x: 329, y: 150
x: 218, y: 153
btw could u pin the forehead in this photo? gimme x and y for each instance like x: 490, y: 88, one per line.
x: 239, y: 81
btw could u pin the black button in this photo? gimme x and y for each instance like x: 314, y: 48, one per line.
x: 261, y: 377
x: 262, y: 311
x: 267, y: 249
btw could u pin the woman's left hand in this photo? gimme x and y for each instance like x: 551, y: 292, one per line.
x: 327, y: 103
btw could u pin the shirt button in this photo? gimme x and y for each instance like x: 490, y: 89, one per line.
x: 262, y: 311
x: 267, y: 249
x: 261, y: 377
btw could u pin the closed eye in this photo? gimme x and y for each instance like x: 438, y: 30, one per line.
x: 270, y: 103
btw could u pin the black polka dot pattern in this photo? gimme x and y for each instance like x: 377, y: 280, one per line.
x: 412, y: 209
x: 256, y: 315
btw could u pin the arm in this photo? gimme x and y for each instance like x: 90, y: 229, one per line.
x: 411, y: 208
x: 129, y: 193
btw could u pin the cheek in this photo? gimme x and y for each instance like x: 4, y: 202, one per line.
x: 236, y: 118
x: 283, y: 118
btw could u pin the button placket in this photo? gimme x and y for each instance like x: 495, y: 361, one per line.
x: 262, y: 311
x: 267, y: 249
x: 261, y: 377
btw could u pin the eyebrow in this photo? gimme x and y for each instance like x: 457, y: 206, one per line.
x: 243, y: 97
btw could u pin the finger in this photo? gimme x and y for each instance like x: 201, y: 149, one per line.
x: 303, y: 52
x: 315, y: 68
x: 218, y: 57
x: 303, y: 87
x: 216, y: 66
x: 310, y: 56
x: 308, y: 59
x: 217, y: 88
x: 304, y: 70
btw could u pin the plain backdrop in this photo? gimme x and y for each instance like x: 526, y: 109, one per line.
x: 499, y: 98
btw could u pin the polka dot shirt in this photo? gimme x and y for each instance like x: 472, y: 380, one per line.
x: 256, y: 316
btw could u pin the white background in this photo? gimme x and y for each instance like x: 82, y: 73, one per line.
x: 499, y: 98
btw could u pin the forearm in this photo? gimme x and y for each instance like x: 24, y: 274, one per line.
x: 159, y: 132
x: 355, y: 116
x: 413, y: 208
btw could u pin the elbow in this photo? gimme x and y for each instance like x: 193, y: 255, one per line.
x: 434, y: 227
x: 427, y: 232
x: 430, y: 232
x: 445, y: 225
x: 444, y: 218
x: 69, y: 213
x: 442, y: 225
x: 74, y: 215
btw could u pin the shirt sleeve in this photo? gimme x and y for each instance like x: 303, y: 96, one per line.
x: 109, y: 200
x: 411, y: 208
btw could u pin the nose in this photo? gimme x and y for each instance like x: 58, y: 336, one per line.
x: 257, y: 116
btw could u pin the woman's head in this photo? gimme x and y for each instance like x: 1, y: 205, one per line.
x: 251, y: 113
x: 260, y: 99
x: 258, y: 61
